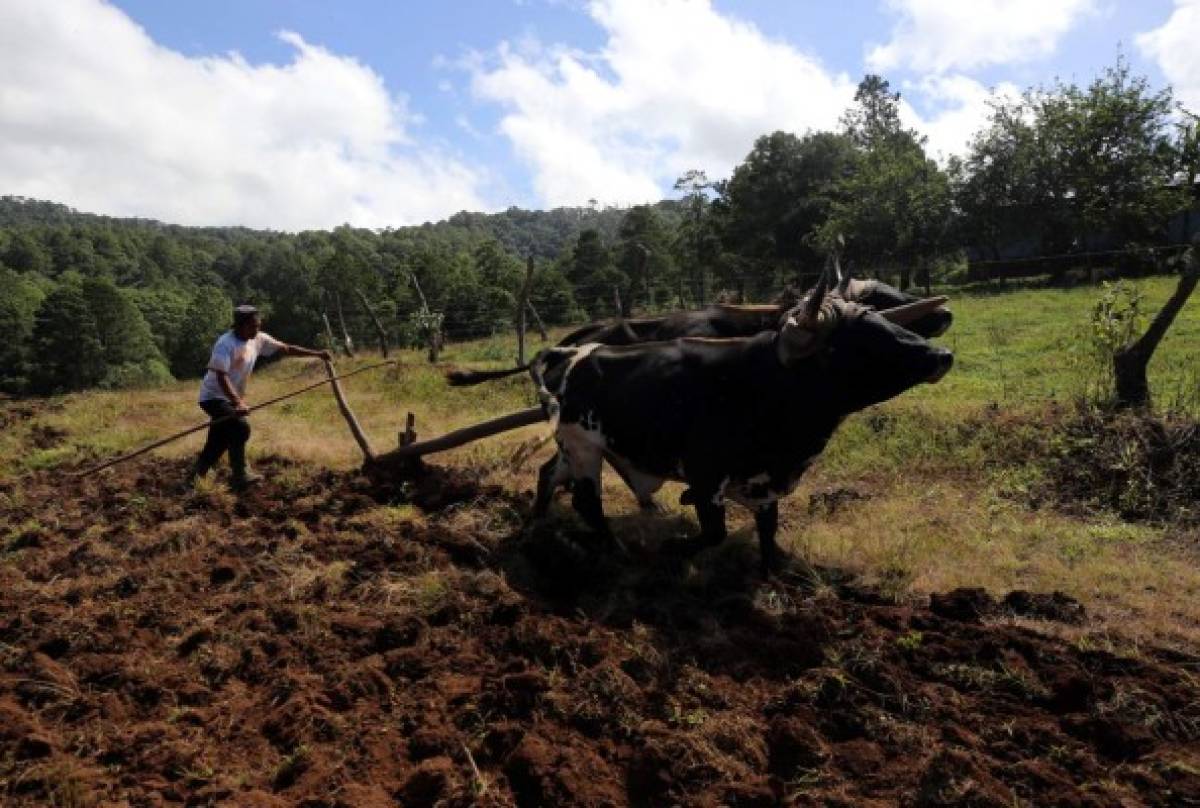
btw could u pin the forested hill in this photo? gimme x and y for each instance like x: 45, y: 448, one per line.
x: 89, y: 300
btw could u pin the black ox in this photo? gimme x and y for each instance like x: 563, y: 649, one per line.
x: 721, y: 321
x: 735, y: 419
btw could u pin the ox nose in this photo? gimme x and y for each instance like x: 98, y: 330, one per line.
x: 943, y: 361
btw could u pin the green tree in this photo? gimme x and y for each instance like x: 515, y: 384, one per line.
x: 874, y: 119
x: 695, y: 243
x: 209, y: 314
x: 779, y: 198
x: 593, y: 274
x: 19, y: 302
x: 67, y: 353
x: 1076, y: 168
x: 895, y: 209
x: 24, y: 253
x: 644, y: 256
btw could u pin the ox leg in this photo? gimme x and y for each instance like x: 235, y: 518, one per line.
x: 710, y: 510
x: 553, y: 474
x: 766, y: 523
x: 586, y: 462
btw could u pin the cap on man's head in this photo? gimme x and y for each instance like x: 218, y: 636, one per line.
x: 244, y: 314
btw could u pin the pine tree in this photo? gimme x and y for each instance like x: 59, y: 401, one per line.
x: 67, y: 353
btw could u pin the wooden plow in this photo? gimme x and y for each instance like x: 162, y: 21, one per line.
x: 408, y: 452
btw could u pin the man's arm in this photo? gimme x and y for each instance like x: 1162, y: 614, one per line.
x: 296, y: 350
x: 230, y: 393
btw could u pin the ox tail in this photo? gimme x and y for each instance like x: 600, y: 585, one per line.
x: 467, y: 378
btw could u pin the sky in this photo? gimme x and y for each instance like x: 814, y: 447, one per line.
x: 300, y: 114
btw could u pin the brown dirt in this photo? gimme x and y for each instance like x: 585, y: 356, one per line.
x: 306, y: 645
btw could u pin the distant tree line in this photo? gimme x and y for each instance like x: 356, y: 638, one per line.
x: 94, y: 301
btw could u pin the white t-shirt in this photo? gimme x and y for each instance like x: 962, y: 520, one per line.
x: 236, y: 357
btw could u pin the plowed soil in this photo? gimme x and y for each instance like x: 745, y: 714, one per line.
x: 328, y: 641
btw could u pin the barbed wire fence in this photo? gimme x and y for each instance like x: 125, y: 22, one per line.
x: 547, y: 308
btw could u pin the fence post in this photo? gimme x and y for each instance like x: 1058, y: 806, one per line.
x: 537, y: 320
x: 521, y: 304
x: 328, y: 330
x: 383, y: 341
x: 349, y: 343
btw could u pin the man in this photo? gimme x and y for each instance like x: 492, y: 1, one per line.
x: 223, y: 390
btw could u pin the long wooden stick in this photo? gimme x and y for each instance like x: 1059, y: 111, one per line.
x: 355, y: 430
x: 450, y: 440
x: 214, y: 421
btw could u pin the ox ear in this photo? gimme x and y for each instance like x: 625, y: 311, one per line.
x: 799, y: 337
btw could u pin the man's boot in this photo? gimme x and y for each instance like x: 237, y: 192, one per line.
x: 242, y: 477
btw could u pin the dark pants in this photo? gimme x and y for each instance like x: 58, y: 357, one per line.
x: 231, y: 435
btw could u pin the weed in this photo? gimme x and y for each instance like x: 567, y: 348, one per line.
x: 290, y: 767
x: 910, y: 641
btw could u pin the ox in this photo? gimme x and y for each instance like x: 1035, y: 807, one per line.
x: 734, y: 419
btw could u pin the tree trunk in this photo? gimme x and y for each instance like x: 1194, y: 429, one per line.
x: 435, y: 345
x: 1129, y: 364
x: 383, y: 340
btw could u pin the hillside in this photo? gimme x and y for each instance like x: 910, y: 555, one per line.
x: 332, y: 639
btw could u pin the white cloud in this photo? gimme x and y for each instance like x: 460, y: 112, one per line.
x: 964, y: 110
x: 943, y: 35
x: 93, y: 113
x: 676, y: 86
x: 1176, y: 47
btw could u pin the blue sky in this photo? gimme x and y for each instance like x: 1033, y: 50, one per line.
x: 307, y: 114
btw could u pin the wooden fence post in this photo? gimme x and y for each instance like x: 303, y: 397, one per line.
x: 328, y: 331
x: 521, y: 305
x: 537, y: 319
x: 383, y: 340
x: 349, y: 343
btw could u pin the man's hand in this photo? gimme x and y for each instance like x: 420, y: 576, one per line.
x: 240, y: 408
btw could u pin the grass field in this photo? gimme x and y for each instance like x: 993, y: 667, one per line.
x: 936, y: 481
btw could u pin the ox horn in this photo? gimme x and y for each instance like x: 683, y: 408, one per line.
x: 843, y: 277
x: 911, y: 312
x: 817, y: 296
